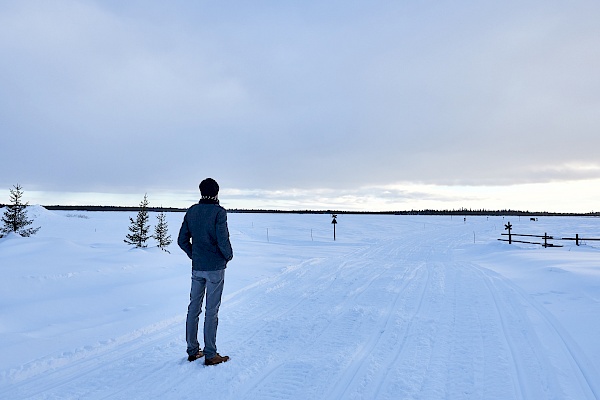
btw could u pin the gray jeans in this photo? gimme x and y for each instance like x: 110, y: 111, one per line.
x: 210, y: 282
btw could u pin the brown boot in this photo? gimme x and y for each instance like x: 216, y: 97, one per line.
x: 196, y: 356
x: 218, y: 359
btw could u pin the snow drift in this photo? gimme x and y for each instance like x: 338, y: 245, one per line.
x: 397, y: 307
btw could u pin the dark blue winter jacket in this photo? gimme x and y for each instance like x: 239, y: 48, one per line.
x: 205, y: 224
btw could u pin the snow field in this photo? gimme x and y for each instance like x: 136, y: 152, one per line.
x: 399, y: 307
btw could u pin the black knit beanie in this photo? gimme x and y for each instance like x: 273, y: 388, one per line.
x: 209, y: 188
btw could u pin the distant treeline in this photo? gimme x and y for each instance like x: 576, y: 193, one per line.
x: 459, y: 212
x: 113, y: 208
x: 466, y: 212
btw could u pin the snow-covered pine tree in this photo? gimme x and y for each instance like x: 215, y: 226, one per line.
x: 15, y: 215
x: 161, y: 232
x: 139, y: 228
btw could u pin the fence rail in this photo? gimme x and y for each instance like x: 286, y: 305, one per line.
x: 510, y: 240
x: 577, y: 239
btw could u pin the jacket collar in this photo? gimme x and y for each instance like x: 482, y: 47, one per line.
x: 208, y: 200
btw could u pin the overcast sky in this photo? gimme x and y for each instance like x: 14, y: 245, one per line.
x: 306, y: 104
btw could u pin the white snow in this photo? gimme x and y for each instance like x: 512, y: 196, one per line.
x: 398, y: 307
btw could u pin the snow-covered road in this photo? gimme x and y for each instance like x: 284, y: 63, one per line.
x: 404, y: 308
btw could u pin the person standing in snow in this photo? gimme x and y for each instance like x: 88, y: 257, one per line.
x: 210, y: 250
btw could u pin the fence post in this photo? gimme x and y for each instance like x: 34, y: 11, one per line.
x: 545, y: 239
x: 577, y: 239
x: 508, y: 227
x: 334, y: 222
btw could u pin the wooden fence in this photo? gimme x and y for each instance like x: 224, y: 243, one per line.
x: 510, y: 239
x: 545, y: 238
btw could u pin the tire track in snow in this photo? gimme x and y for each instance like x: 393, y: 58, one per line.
x: 413, y: 326
x: 544, y: 343
x: 386, y: 334
x: 359, y: 364
x: 43, y: 376
x: 405, y: 256
x: 476, y: 355
x: 414, y: 321
x: 132, y: 349
x: 408, y: 345
x: 335, y: 335
x: 517, y: 360
x: 396, y: 319
x: 276, y: 292
x: 508, y: 348
x: 492, y: 322
x: 284, y: 381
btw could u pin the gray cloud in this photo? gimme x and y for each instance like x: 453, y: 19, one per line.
x: 123, y: 97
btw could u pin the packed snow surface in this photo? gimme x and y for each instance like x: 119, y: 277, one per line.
x: 398, y: 307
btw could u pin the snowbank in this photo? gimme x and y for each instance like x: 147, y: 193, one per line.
x: 396, y: 307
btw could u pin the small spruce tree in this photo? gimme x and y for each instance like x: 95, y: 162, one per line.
x: 139, y: 228
x: 161, y: 232
x: 15, y: 215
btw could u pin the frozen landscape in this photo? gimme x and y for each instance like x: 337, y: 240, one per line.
x: 398, y: 307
